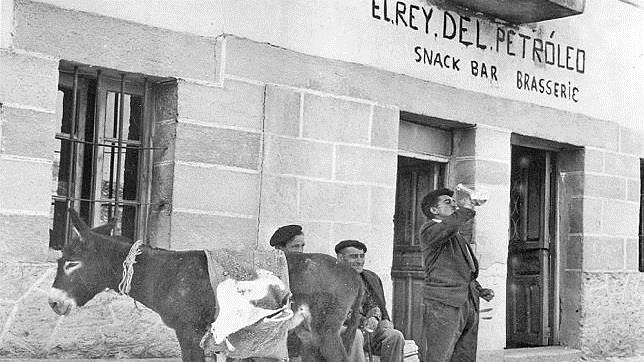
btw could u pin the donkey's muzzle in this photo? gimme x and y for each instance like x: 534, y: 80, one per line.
x: 60, y: 302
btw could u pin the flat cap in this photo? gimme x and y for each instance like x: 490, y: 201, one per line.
x: 350, y: 243
x: 284, y: 234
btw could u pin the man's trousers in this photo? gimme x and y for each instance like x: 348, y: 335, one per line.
x: 450, y: 332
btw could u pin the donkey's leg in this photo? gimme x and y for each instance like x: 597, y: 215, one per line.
x: 331, y: 346
x: 189, y: 338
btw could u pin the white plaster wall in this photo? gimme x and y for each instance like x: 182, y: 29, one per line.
x: 609, y: 32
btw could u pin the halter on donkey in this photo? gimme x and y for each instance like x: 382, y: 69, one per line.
x: 176, y: 285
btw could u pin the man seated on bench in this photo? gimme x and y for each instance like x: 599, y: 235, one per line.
x: 380, y: 337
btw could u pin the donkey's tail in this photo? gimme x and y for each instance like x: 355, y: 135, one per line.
x: 354, y: 320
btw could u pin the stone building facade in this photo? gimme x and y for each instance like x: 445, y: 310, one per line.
x: 252, y: 129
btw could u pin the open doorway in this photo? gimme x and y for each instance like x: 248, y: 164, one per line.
x: 415, y: 179
x: 531, y: 252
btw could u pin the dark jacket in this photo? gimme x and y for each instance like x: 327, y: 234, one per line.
x: 451, y: 268
x: 373, y: 282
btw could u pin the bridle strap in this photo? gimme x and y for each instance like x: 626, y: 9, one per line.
x: 128, y: 267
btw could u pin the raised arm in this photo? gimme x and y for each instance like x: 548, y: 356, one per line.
x: 438, y: 233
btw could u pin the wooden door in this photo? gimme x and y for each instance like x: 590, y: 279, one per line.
x: 532, y: 218
x: 415, y: 179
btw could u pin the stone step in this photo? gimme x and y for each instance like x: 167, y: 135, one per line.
x: 542, y: 354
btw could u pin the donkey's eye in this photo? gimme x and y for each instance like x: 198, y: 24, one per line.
x: 71, y: 266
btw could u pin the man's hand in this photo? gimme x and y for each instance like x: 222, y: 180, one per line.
x: 385, y: 324
x: 374, y: 312
x: 486, y: 294
x: 370, y: 324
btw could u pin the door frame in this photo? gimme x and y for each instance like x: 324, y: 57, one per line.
x: 555, y: 272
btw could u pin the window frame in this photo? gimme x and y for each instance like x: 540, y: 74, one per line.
x: 86, y: 80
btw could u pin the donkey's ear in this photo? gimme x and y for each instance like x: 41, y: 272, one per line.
x: 79, y: 225
x: 104, y: 229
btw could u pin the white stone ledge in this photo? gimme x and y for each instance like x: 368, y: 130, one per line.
x: 197, y: 122
x: 216, y: 166
x: 28, y: 108
x: 19, y: 212
x: 338, y: 182
x: 25, y: 159
x: 212, y: 213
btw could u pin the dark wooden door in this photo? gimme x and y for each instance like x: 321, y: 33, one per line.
x: 415, y: 179
x: 532, y: 217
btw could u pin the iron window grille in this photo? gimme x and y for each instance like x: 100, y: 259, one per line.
x: 103, y: 165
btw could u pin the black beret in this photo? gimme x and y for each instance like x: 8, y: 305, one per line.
x: 350, y: 243
x: 284, y: 234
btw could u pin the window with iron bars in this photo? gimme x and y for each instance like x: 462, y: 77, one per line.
x: 103, y: 162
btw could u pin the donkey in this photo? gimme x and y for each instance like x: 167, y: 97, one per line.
x: 176, y: 285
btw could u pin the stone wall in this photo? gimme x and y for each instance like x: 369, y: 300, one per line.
x: 613, y: 314
x: 109, y: 326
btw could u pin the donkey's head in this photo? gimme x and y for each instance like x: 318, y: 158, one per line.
x: 83, y: 270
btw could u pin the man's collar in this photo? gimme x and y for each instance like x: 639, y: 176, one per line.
x: 437, y: 220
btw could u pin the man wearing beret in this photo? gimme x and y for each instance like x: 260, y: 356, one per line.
x: 385, y: 341
x: 451, y: 295
x: 289, y: 239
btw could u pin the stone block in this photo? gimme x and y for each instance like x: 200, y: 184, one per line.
x: 620, y: 218
x: 482, y: 171
x: 574, y: 250
x: 162, y: 186
x: 156, y: 51
x: 165, y: 134
x: 631, y: 141
x: 571, y: 308
x: 159, y: 231
x: 585, y: 216
x: 219, y: 146
x: 166, y: 101
x: 24, y: 237
x: 326, y: 201
x: 201, y: 231
x: 298, y: 157
x: 483, y: 142
x: 594, y: 160
x: 111, y: 326
x: 382, y: 205
x: 634, y: 190
x: 603, y: 253
x: 215, y: 190
x: 610, y: 187
x: 384, y: 127
x: 594, y: 214
x: 491, y: 239
x: 572, y: 160
x: 28, y: 332
x: 279, y: 198
x: 19, y: 278
x: 574, y: 184
x: 622, y: 165
x: 282, y: 111
x: 27, y: 133
x: 612, y: 321
x: 631, y: 261
x: 237, y: 104
x: 369, y: 165
x: 492, y: 323
x: 335, y: 119
x: 318, y: 237
x: 25, y: 185
x: 414, y: 137
x: 28, y: 80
